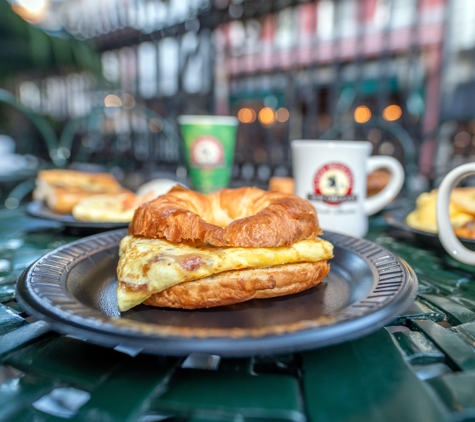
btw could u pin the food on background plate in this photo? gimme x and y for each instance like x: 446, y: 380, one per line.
x: 119, y: 208
x: 377, y: 181
x: 94, y: 197
x: 61, y: 189
x: 461, y: 210
x: 282, y: 184
x: 190, y: 250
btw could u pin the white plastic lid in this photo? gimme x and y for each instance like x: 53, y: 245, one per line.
x: 207, y: 120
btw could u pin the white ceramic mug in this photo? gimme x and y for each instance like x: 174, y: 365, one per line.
x: 446, y: 232
x: 332, y: 175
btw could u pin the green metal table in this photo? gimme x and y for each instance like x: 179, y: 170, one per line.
x: 421, y: 367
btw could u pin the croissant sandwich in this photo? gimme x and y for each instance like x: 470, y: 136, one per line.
x: 190, y: 250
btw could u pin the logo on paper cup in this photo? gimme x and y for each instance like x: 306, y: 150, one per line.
x: 333, y: 184
x: 207, y: 151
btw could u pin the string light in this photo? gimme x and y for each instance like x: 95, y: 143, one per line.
x: 362, y: 114
x: 246, y: 115
x: 392, y: 112
x: 267, y: 116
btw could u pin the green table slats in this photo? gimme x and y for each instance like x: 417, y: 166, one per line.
x: 114, y: 400
x: 277, y: 364
x: 236, y: 365
x: 75, y: 362
x: 366, y: 380
x: 432, y: 370
x: 457, y: 351
x: 417, y: 348
x: 9, y: 320
x: 22, y: 336
x: 7, y: 292
x: 420, y: 368
x: 19, y: 393
x: 425, y: 287
x: 465, y: 295
x: 229, y: 394
x: 456, y: 313
x: 467, y: 331
x: 457, y: 392
x: 32, y: 415
x: 419, y: 310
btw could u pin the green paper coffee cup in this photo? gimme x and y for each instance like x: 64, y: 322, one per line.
x: 209, y: 143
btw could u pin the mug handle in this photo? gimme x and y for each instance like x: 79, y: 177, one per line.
x: 380, y: 200
x: 447, y: 237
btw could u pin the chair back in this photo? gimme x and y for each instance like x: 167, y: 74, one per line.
x: 123, y: 141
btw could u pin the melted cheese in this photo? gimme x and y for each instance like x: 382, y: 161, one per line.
x: 148, y: 266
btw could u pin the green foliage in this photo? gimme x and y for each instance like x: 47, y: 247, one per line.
x: 24, y: 47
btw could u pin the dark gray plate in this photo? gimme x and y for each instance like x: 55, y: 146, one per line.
x: 397, y: 219
x: 73, y: 288
x: 39, y: 209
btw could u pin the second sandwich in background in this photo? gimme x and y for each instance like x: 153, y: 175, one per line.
x: 119, y: 207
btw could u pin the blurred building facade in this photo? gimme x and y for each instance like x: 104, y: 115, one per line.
x: 398, y: 73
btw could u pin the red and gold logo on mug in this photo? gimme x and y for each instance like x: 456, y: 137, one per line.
x: 333, y: 184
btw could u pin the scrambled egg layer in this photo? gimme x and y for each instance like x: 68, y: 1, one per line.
x: 424, y: 216
x: 105, y: 208
x: 148, y: 266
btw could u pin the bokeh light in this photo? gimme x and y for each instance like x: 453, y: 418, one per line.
x: 246, y: 115
x: 260, y: 155
x: 462, y: 139
x: 33, y: 11
x: 32, y: 5
x: 11, y: 203
x: 267, y: 116
x: 282, y: 115
x: 128, y: 101
x: 392, y: 112
x: 112, y: 100
x: 362, y: 114
x: 155, y: 125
